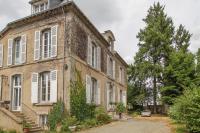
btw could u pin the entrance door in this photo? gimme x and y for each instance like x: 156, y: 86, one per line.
x: 16, y: 99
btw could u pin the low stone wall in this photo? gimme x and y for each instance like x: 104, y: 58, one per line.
x: 8, y: 121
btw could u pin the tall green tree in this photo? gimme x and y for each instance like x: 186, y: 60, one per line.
x: 155, y: 45
x: 180, y: 71
x: 182, y: 39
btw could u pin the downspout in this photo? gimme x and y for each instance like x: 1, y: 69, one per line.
x: 63, y: 69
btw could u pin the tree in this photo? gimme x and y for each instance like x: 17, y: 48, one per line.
x: 179, y: 75
x: 180, y: 71
x: 155, y: 45
x: 182, y: 39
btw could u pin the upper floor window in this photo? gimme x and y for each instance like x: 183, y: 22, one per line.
x: 46, y: 43
x: 94, y: 54
x: 121, y: 74
x: 39, y: 7
x: 17, y: 50
x: 110, y: 67
x: 1, y: 55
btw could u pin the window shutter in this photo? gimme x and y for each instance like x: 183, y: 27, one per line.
x: 113, y: 69
x: 98, y: 92
x: 88, y: 89
x: 114, y: 91
x: 54, y: 32
x: 108, y: 99
x: 37, y: 46
x: 124, y: 98
x: 0, y: 87
x: 23, y: 49
x: 53, y: 86
x: 89, y: 53
x: 108, y: 69
x: 34, y: 88
x: 10, y: 45
x: 118, y: 91
x: 1, y: 55
x: 99, y: 58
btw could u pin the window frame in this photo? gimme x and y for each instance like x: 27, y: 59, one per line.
x: 48, y: 45
x: 46, y: 88
x: 94, y: 55
x: 94, y: 90
x: 41, y: 118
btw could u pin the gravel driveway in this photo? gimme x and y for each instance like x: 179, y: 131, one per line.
x: 132, y: 126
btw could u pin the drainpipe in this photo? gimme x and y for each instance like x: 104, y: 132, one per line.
x: 63, y: 69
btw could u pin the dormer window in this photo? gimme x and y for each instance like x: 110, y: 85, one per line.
x: 39, y: 7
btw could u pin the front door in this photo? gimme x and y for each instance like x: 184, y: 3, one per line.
x: 16, y: 99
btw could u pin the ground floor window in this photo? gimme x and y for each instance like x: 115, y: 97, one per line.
x: 44, y: 86
x: 94, y: 90
x: 16, y: 92
x: 43, y: 120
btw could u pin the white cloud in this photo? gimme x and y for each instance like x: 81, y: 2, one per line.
x: 124, y: 18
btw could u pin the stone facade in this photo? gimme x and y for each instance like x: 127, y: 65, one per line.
x: 73, y: 32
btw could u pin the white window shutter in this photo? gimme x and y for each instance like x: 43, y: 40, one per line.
x: 107, y: 95
x: 10, y: 46
x: 124, y: 98
x: 113, y: 69
x: 89, y: 51
x: 88, y: 89
x: 98, y: 92
x: 118, y: 91
x: 34, y: 88
x: 99, y: 58
x: 1, y: 55
x: 23, y: 49
x: 53, y: 86
x: 108, y: 68
x: 114, y: 95
x: 54, y: 40
x: 37, y: 46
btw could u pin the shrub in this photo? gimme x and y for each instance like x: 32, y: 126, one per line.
x: 79, y: 108
x: 187, y: 109
x: 102, y: 116
x: 55, y: 115
x: 65, y: 127
x: 120, y: 108
x: 88, y: 123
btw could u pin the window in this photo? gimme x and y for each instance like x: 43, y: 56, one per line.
x: 43, y: 120
x: 1, y: 55
x: 111, y: 97
x: 110, y: 67
x: 16, y: 51
x: 46, y: 44
x: 45, y: 86
x: 94, y: 90
x: 94, y: 55
x: 16, y: 92
x: 121, y: 96
x: 121, y: 74
x: 40, y: 7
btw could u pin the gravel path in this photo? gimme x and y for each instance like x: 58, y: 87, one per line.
x: 132, y: 126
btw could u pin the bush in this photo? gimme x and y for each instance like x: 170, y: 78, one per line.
x: 65, y: 127
x: 79, y: 108
x: 102, y: 116
x: 56, y: 115
x: 187, y: 109
x: 120, y: 108
x: 88, y: 123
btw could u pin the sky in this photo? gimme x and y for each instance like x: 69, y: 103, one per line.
x: 123, y: 17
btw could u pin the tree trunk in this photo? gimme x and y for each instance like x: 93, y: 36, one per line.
x: 154, y: 95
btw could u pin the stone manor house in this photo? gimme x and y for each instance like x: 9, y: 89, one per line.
x: 38, y: 58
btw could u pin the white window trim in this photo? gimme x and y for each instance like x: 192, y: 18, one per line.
x: 48, y: 45
x: 46, y: 88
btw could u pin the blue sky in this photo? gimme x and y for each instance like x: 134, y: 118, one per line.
x: 124, y: 18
